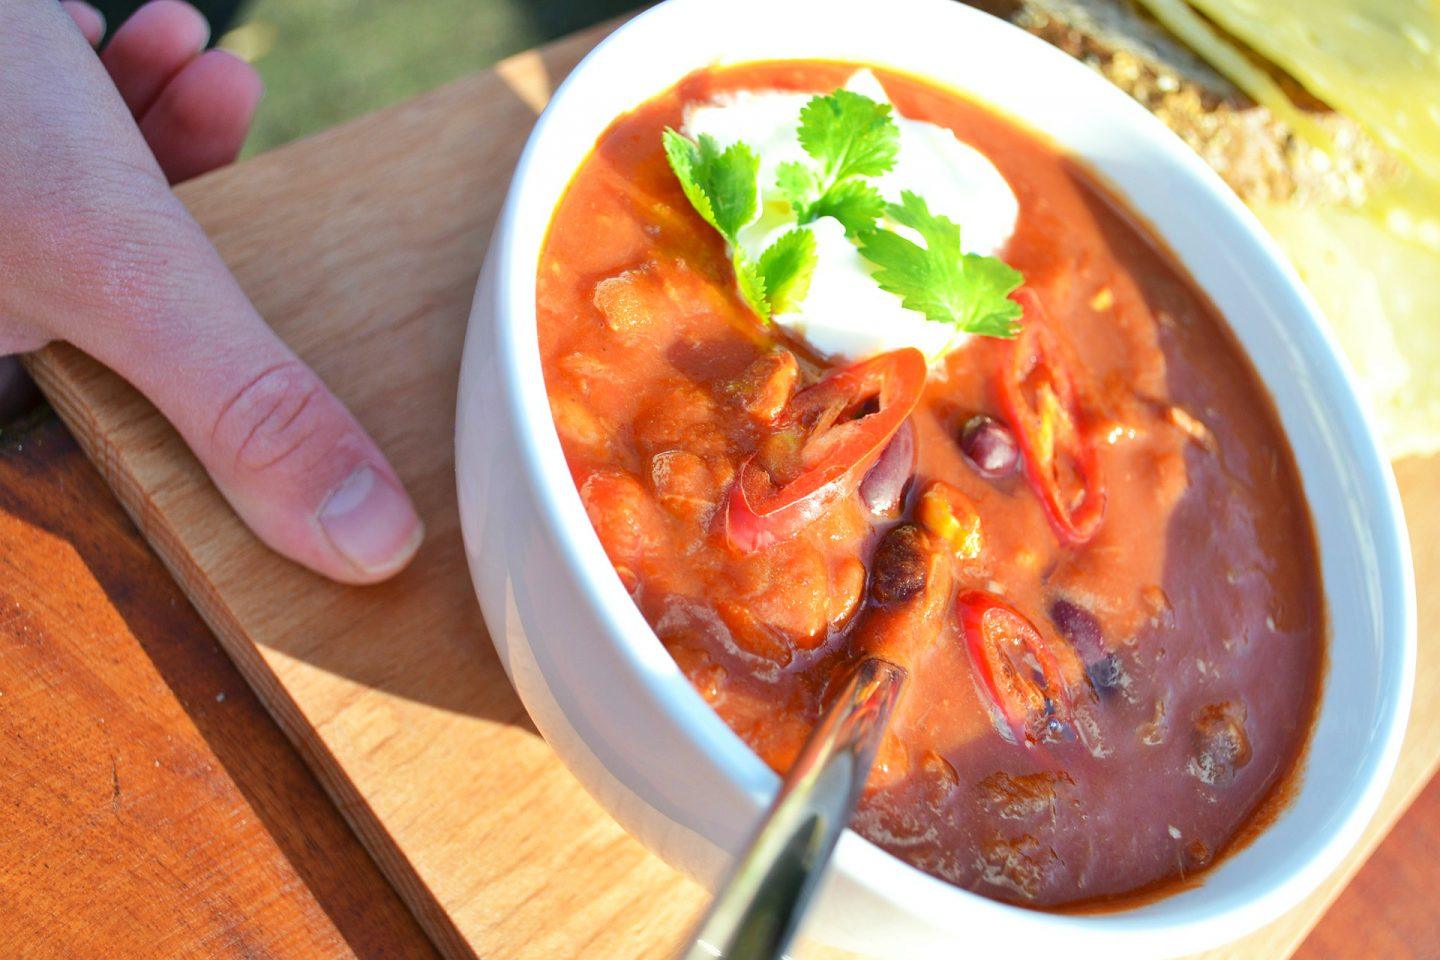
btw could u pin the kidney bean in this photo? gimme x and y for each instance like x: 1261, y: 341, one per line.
x: 1082, y: 630
x: 883, y: 489
x: 901, y: 565
x: 989, y: 446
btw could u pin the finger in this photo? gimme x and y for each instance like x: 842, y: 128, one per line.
x: 284, y: 451
x: 90, y: 21
x: 150, y: 48
x: 102, y: 253
x: 200, y: 120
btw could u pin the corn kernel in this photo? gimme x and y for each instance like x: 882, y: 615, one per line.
x: 948, y: 514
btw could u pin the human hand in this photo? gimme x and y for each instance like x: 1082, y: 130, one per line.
x: 96, y: 250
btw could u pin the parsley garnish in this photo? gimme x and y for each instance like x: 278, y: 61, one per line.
x: 720, y: 184
x: 849, y: 140
x: 751, y: 283
x: 849, y: 137
x: 786, y: 267
x: 970, y: 291
x: 723, y: 187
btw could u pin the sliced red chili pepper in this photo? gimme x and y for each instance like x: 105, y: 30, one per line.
x: 1026, y: 677
x: 1043, y: 395
x: 833, y: 453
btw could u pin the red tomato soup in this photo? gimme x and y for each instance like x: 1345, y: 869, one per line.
x: 1107, y: 592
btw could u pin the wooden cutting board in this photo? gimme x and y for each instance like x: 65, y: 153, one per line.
x: 361, y: 247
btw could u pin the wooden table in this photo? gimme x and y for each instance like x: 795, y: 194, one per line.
x: 149, y: 807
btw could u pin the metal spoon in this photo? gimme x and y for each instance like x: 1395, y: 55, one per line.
x: 758, y: 909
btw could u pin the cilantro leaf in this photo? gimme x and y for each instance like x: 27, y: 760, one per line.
x: 799, y: 184
x: 723, y: 187
x: 751, y: 282
x: 991, y: 312
x: 786, y: 267
x: 848, y: 139
x: 855, y: 203
x: 720, y: 184
x: 968, y: 290
x: 850, y: 135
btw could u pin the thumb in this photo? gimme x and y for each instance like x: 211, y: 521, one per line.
x: 95, y: 249
x: 287, y: 455
x: 283, y: 450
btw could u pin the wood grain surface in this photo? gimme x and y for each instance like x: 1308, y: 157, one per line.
x: 50, y: 493
x: 1388, y: 910
x: 361, y: 247
x: 148, y: 806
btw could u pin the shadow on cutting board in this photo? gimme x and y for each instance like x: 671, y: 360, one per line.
x: 369, y: 276
x: 101, y: 708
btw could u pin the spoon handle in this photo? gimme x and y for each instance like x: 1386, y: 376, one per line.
x: 757, y: 911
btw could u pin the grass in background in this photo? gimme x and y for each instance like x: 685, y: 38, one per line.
x: 325, y: 61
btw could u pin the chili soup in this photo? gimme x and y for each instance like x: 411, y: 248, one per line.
x: 987, y: 413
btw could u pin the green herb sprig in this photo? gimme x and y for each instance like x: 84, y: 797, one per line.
x: 849, y: 140
x: 723, y: 187
x: 966, y: 289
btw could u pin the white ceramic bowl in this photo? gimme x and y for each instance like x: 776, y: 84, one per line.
x: 607, y: 696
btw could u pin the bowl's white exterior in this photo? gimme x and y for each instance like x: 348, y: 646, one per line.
x: 610, y: 701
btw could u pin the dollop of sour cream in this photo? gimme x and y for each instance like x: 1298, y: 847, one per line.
x: 845, y: 315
